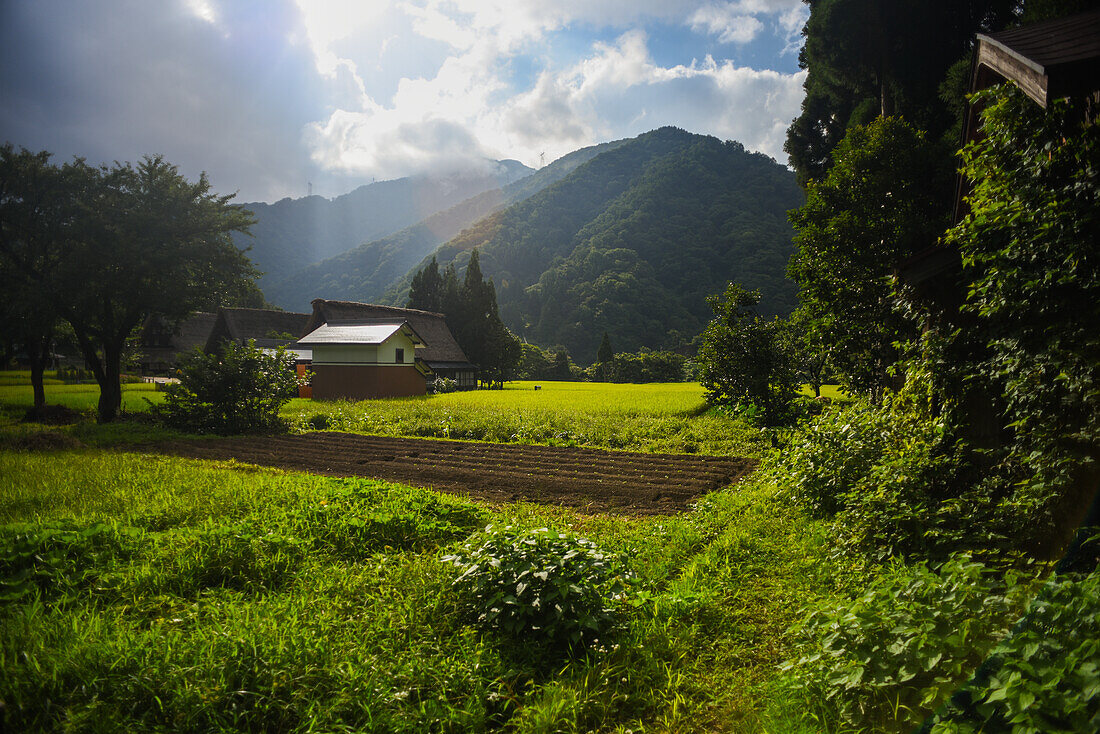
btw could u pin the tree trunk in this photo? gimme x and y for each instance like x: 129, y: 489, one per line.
x: 110, y: 388
x: 38, y: 369
x: 39, y: 353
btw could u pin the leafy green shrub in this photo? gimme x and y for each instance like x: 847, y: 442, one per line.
x: 538, y: 585
x: 59, y: 558
x: 827, y: 458
x: 238, y: 390
x: 895, y: 482
x: 1045, y: 677
x: 746, y: 359
x: 441, y: 385
x: 893, y: 654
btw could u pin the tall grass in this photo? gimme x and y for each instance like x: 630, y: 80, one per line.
x: 149, y: 593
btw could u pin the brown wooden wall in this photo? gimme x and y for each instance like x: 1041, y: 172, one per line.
x: 361, y: 382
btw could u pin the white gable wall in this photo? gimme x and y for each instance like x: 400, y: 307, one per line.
x: 382, y: 354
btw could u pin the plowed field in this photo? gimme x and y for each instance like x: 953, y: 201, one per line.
x: 588, y: 479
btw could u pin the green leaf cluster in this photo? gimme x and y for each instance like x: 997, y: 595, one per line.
x: 883, y: 200
x: 237, y: 390
x: 896, y: 482
x: 539, y: 586
x: 1032, y: 269
x: 1045, y: 676
x: 745, y: 360
x: 889, y: 657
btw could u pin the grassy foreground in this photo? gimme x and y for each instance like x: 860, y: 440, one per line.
x: 149, y: 594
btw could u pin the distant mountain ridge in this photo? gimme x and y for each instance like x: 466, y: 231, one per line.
x: 291, y: 234
x: 364, y: 273
x: 633, y: 241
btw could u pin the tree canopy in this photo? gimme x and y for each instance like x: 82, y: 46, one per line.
x: 866, y: 58
x: 118, y: 244
x: 873, y: 209
x: 36, y: 212
x: 472, y: 316
x: 744, y: 360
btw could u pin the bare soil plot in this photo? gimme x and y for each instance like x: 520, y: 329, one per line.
x: 589, y: 479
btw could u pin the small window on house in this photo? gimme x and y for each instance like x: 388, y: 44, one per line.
x: 399, y: 355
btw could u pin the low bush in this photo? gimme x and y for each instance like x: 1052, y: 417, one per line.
x: 539, y: 586
x: 240, y: 389
x: 896, y: 483
x: 1045, y: 676
x: 888, y: 658
x: 441, y: 385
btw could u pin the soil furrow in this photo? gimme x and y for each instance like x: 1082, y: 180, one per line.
x: 591, y: 480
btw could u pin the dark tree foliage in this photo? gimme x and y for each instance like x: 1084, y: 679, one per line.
x: 1032, y: 268
x: 866, y: 58
x: 238, y: 390
x: 426, y: 292
x: 605, y: 353
x: 640, y: 367
x: 745, y: 361
x: 35, y: 213
x: 534, y: 363
x: 604, y: 369
x: 875, y: 208
x: 147, y: 241
x: 474, y: 319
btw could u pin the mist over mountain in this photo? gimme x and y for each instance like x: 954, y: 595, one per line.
x: 364, y: 273
x: 293, y: 233
x: 633, y: 241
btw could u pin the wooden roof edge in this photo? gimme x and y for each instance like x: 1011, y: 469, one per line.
x: 1002, y: 46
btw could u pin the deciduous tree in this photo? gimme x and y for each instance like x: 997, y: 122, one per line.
x: 744, y: 360
x: 147, y: 241
x: 875, y: 208
x: 36, y: 212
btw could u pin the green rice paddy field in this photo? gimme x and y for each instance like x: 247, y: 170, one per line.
x: 147, y: 593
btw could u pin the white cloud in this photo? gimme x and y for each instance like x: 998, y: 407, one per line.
x: 268, y: 97
x: 620, y: 91
x: 739, y: 21
x: 467, y: 110
x: 727, y: 23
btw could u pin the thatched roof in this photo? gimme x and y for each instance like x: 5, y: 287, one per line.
x: 238, y: 325
x: 161, y: 344
x: 439, y: 343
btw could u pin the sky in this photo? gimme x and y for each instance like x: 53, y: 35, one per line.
x: 272, y: 97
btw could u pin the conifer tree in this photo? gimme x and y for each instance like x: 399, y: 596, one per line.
x: 426, y: 291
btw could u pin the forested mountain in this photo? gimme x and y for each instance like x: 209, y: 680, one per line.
x: 365, y: 272
x: 293, y: 233
x: 633, y: 241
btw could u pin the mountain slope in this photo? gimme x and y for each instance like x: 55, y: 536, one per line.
x: 293, y: 233
x: 633, y: 241
x: 365, y: 272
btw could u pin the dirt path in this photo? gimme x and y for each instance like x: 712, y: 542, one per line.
x: 588, y: 479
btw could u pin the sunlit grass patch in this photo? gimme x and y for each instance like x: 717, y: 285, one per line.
x: 17, y: 395
x: 665, y: 417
